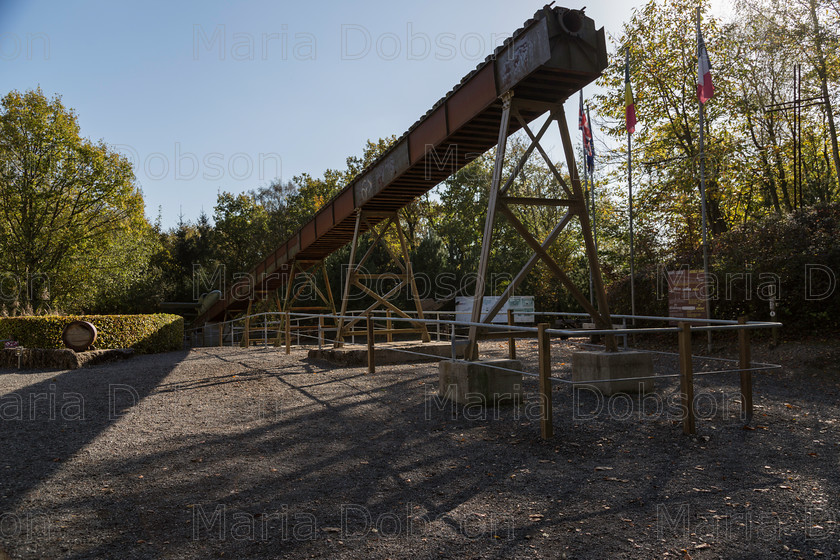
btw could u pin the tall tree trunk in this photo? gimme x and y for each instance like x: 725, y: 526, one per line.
x: 780, y: 169
x: 822, y: 72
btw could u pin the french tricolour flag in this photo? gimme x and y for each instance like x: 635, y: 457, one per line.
x: 705, y: 89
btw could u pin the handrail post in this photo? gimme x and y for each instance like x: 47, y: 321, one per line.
x: 321, y: 334
x: 370, y: 356
x: 389, y: 325
x: 745, y: 360
x: 686, y: 379
x: 221, y: 334
x: 288, y: 332
x: 546, y: 411
x: 511, y: 340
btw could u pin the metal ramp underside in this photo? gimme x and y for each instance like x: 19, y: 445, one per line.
x: 550, y: 58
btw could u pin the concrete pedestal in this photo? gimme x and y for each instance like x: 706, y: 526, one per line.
x: 479, y: 383
x: 355, y: 355
x: 596, y: 366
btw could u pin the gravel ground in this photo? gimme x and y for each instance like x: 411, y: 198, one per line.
x: 254, y: 454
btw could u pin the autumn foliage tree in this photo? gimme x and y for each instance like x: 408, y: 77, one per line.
x: 67, y: 204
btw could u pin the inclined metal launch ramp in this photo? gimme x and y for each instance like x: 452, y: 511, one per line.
x: 550, y: 58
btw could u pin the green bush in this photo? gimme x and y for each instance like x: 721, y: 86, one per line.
x: 147, y: 334
x: 751, y: 262
x: 651, y: 298
x: 780, y: 248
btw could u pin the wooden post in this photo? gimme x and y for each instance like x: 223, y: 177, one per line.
x: 389, y: 326
x: 686, y: 378
x: 246, y: 338
x: 546, y: 421
x: 511, y: 340
x: 370, y: 350
x: 288, y: 325
x: 745, y: 360
x: 286, y: 305
x: 221, y: 334
x: 322, y: 337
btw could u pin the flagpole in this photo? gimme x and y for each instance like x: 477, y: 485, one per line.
x: 592, y: 181
x: 586, y: 192
x: 632, y: 252
x: 630, y: 203
x: 703, y: 194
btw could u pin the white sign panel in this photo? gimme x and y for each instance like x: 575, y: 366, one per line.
x: 522, y: 306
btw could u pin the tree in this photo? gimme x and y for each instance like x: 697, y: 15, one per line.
x: 663, y: 71
x: 802, y: 31
x: 64, y: 201
x: 241, y: 233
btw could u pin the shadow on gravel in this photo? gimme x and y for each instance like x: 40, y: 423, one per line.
x: 350, y: 465
x: 314, y: 472
x: 44, y: 424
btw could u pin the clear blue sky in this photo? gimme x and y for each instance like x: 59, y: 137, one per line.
x: 142, y: 77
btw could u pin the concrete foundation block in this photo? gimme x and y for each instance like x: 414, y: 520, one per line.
x: 597, y: 366
x: 355, y: 355
x: 480, y: 382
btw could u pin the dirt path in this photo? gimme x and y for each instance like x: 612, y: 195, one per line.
x: 253, y: 454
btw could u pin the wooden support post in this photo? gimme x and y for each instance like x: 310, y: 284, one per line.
x: 321, y: 334
x: 511, y: 340
x: 370, y: 341
x: 221, y: 334
x: 546, y: 411
x: 389, y: 325
x: 246, y: 337
x: 686, y: 379
x: 288, y: 324
x: 278, y: 339
x: 745, y: 360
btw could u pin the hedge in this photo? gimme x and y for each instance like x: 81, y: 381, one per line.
x: 774, y: 252
x: 784, y: 248
x: 146, y: 334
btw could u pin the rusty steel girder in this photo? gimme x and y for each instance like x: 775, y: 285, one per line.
x: 551, y: 57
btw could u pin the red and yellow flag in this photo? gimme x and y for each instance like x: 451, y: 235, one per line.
x: 629, y: 103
